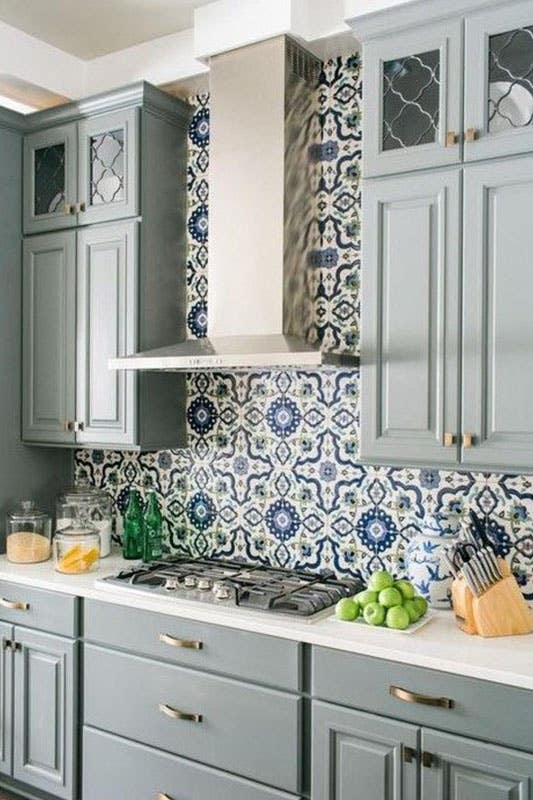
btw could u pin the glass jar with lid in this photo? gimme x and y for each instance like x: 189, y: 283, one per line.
x: 28, y: 534
x: 95, y: 502
x: 77, y: 547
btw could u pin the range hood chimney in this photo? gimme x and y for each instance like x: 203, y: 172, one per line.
x: 262, y: 217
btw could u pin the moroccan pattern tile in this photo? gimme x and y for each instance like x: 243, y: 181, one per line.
x: 271, y: 474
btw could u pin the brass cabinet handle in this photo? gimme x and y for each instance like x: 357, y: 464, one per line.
x: 422, y: 699
x: 73, y: 426
x: 188, y: 644
x: 428, y: 759
x: 409, y: 754
x: 451, y: 139
x: 471, y: 135
x: 173, y: 713
x: 16, y: 605
x: 468, y: 440
x: 163, y: 796
x: 82, y: 207
x: 68, y: 208
x: 449, y: 439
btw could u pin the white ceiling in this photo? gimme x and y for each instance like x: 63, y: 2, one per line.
x: 90, y: 28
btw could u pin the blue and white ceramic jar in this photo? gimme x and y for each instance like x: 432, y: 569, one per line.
x: 426, y: 568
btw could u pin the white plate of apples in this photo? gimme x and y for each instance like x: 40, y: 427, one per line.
x: 385, y: 604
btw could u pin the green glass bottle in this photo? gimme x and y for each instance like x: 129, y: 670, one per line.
x: 133, y: 534
x: 153, y: 530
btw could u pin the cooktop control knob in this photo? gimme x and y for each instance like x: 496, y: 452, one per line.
x: 190, y: 581
x: 204, y: 584
x: 171, y: 584
x: 221, y: 590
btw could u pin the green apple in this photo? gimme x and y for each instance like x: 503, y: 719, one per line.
x: 366, y: 597
x: 397, y: 618
x: 412, y: 609
x: 347, y: 609
x: 380, y: 580
x: 390, y: 597
x: 421, y: 604
x: 406, y: 589
x: 374, y: 614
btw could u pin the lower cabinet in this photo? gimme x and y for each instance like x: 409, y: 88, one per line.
x: 359, y: 754
x: 454, y: 768
x: 39, y: 710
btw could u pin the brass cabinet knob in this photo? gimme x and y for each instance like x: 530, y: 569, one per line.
x: 468, y: 440
x: 422, y: 699
x: 451, y: 139
x: 449, y: 439
x: 471, y: 135
x: 188, y: 644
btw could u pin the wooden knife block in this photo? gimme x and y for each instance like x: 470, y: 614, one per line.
x: 500, y: 611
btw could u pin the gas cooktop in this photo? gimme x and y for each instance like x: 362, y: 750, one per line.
x: 230, y: 583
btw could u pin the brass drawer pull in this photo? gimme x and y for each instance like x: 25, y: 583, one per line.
x: 449, y: 440
x: 471, y: 135
x: 409, y: 754
x: 188, y: 644
x: 468, y: 440
x: 163, y: 796
x: 173, y: 713
x: 428, y: 759
x: 451, y: 139
x: 423, y: 699
x: 16, y: 605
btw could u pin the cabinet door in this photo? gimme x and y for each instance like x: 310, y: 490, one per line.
x: 499, y: 81
x: 50, y: 179
x: 361, y: 755
x: 410, y: 323
x: 108, y: 167
x: 6, y: 699
x: 462, y: 769
x: 49, y: 316
x: 45, y: 712
x: 498, y: 323
x: 413, y: 96
x: 107, y: 328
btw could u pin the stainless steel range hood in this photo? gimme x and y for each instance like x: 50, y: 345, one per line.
x: 262, y: 217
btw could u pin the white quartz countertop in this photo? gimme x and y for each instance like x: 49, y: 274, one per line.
x: 438, y: 645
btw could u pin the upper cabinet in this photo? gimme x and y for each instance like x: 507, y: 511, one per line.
x: 50, y: 179
x: 412, y: 95
x: 82, y: 173
x: 105, y: 277
x: 499, y: 81
x: 426, y: 106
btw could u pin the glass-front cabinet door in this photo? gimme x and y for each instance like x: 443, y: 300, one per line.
x: 108, y: 163
x: 50, y: 179
x: 413, y: 99
x: 499, y: 81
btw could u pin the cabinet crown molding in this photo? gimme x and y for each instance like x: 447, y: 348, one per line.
x: 412, y: 14
x: 141, y: 93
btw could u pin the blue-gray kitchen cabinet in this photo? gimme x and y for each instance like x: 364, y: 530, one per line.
x: 107, y: 270
x: 453, y: 768
x: 50, y: 183
x: 498, y: 323
x: 499, y: 81
x: 48, y: 335
x: 410, y: 318
x: 82, y: 172
x: 356, y: 754
x: 109, y: 166
x: 6, y: 690
x: 45, y: 712
x: 413, y: 92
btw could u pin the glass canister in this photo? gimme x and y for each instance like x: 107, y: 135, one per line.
x: 95, y: 502
x: 28, y: 534
x: 77, y: 547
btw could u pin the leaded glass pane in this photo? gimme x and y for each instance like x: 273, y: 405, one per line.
x: 107, y: 167
x: 411, y: 99
x: 49, y: 180
x: 511, y: 79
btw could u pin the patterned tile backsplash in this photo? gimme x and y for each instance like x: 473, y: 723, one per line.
x: 271, y: 474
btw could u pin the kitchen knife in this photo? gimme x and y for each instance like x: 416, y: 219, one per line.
x: 471, y: 580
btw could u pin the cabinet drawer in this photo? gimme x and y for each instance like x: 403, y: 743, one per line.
x: 244, y: 729
x: 53, y: 612
x: 261, y: 659
x: 480, y: 709
x: 114, y: 768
